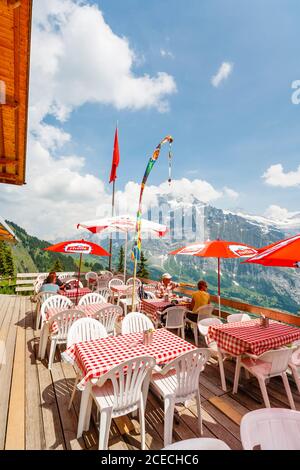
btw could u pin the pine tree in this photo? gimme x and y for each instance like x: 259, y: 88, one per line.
x: 142, y: 269
x: 57, y: 266
x: 121, y: 260
x: 9, y: 263
x: 2, y: 259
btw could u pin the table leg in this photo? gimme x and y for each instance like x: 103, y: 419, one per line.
x: 43, y: 340
x: 84, y: 405
x: 236, y: 374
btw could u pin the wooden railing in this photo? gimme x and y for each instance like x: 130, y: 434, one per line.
x: 25, y: 282
x: 240, y: 306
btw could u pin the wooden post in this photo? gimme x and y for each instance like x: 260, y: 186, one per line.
x: 219, y: 286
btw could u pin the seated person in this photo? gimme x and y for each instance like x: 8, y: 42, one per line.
x: 60, y: 284
x: 166, y: 286
x: 50, y: 284
x: 200, y: 298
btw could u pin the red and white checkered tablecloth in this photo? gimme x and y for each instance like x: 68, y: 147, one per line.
x: 154, y: 308
x: 120, y: 289
x: 89, y: 311
x: 95, y: 358
x: 250, y: 337
x: 71, y: 293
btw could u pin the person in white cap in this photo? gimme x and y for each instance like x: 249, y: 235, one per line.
x: 166, y: 285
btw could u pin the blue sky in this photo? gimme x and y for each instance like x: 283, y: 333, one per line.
x: 227, y: 136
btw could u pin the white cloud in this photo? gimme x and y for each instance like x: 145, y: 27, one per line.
x: 230, y: 193
x: 276, y: 176
x: 166, y: 53
x: 222, y: 74
x: 79, y: 59
x: 277, y: 213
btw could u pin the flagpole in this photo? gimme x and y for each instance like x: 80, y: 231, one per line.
x: 112, y: 214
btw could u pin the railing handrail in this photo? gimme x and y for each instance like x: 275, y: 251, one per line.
x: 279, y: 315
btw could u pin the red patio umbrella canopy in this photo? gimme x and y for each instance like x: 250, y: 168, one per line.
x: 285, y: 253
x: 81, y: 247
x: 78, y: 246
x: 217, y: 249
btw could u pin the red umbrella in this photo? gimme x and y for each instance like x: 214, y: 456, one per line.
x: 217, y: 249
x: 285, y: 253
x: 78, y: 246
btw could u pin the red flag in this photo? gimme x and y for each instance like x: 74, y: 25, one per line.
x: 115, y: 159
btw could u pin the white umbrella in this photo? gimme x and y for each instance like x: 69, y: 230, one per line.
x: 126, y: 224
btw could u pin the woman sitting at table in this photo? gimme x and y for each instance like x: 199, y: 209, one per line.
x: 200, y: 298
x: 50, y: 284
x: 61, y: 285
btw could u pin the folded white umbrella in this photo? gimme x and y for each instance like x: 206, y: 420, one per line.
x: 126, y: 224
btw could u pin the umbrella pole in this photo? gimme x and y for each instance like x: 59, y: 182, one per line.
x: 133, y: 286
x: 125, y: 255
x: 79, y: 269
x: 219, y: 286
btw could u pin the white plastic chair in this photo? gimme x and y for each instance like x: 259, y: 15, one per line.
x: 271, y: 429
x: 40, y: 299
x: 120, y: 391
x: 64, y: 321
x: 91, y: 298
x: 108, y: 316
x: 126, y: 300
x: 235, y: 317
x: 269, y: 364
x: 115, y: 282
x: 202, y: 312
x: 294, y: 365
x: 84, y: 329
x: 199, y: 443
x: 106, y: 293
x: 74, y: 283
x: 129, y: 282
x: 136, y: 322
x: 92, y: 279
x: 107, y: 274
x: 150, y: 288
x: 175, y: 319
x: 150, y: 295
x: 178, y: 382
x: 203, y: 326
x: 55, y: 301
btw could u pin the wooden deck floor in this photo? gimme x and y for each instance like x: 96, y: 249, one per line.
x: 33, y: 401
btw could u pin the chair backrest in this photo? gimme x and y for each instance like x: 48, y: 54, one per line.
x: 55, y: 301
x: 63, y: 321
x: 205, y: 323
x: 136, y: 322
x: 74, y: 283
x: 91, y: 298
x: 271, y: 429
x: 205, y: 310
x: 234, y: 317
x: 105, y: 292
x: 115, y: 282
x: 42, y: 296
x: 108, y: 316
x: 91, y: 275
x: 119, y: 276
x: 175, y: 317
x: 150, y: 295
x: 198, y: 443
x: 187, y: 367
x: 279, y: 359
x: 41, y: 277
x: 127, y: 380
x: 102, y: 282
x: 37, y: 286
x: 129, y: 282
x: 106, y: 274
x: 85, y: 329
x: 150, y: 288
